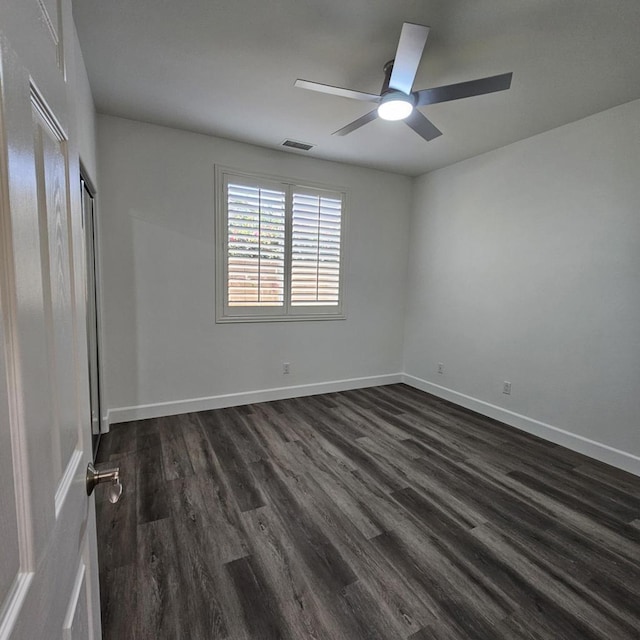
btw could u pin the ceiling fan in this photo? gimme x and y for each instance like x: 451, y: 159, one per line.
x: 397, y: 101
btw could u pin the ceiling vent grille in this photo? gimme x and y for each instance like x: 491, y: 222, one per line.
x: 293, y: 144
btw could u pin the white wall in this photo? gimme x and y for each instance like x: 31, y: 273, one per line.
x: 162, y: 344
x: 525, y: 266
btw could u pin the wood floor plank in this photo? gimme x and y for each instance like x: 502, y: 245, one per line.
x: 373, y: 617
x: 201, y: 590
x: 234, y: 424
x: 379, y: 513
x: 301, y: 604
x: 157, y: 613
x: 609, y: 539
x: 350, y: 449
x: 197, y: 445
x: 346, y: 500
x: 612, y: 516
x: 176, y: 462
x: 458, y: 611
x: 261, y: 611
x: 610, y: 476
x: 391, y: 590
x: 152, y: 501
x: 373, y: 504
x: 212, y: 523
x: 498, y: 581
x: 119, y: 601
x: 580, y: 613
x: 240, y: 480
x: 489, y: 498
x: 274, y: 422
x: 321, y: 557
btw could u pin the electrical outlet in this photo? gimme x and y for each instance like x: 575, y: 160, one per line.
x: 440, y: 367
x: 285, y: 367
x: 506, y: 388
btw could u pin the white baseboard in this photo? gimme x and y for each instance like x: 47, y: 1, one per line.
x: 573, y: 441
x: 160, y: 409
x: 598, y: 450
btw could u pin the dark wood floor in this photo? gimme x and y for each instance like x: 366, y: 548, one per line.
x: 382, y: 513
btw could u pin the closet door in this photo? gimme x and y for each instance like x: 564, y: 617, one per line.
x: 91, y: 301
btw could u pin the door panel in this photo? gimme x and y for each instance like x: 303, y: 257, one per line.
x: 51, y: 14
x: 23, y: 316
x: 51, y: 168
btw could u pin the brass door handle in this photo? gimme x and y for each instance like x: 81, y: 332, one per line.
x: 110, y: 475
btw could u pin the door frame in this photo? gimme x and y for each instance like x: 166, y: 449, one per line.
x: 86, y: 177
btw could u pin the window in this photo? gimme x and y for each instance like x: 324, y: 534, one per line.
x: 280, y: 249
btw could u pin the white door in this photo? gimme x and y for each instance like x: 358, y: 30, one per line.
x: 48, y: 563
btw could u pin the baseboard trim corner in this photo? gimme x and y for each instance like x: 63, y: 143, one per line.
x: 161, y: 409
x: 591, y: 448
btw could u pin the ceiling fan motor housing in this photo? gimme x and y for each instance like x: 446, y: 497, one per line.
x: 396, y: 105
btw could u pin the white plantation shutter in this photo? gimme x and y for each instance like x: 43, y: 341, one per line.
x: 255, y: 246
x: 315, y: 249
x: 279, y: 250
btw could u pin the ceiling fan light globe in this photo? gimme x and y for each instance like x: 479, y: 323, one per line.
x: 395, y: 108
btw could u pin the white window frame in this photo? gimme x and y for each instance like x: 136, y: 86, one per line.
x: 287, y: 312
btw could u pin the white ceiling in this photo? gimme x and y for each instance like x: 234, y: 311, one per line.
x: 227, y: 68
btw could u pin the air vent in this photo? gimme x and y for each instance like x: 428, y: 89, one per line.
x: 303, y: 146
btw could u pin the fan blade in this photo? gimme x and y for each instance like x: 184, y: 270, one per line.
x: 464, y: 89
x: 405, y: 66
x: 422, y: 126
x: 356, y: 124
x: 336, y: 91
